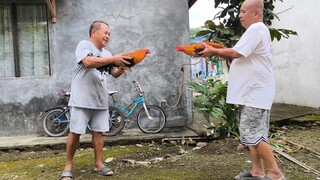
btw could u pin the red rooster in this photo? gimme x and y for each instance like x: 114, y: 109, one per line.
x: 197, y: 47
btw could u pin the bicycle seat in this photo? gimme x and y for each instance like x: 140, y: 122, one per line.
x: 112, y: 92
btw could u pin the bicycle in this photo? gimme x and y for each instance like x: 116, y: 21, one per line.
x: 150, y: 119
x: 57, y: 119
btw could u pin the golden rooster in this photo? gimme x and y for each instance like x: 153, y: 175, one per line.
x: 197, y: 47
x: 137, y: 57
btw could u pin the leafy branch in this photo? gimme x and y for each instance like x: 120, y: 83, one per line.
x: 229, y: 29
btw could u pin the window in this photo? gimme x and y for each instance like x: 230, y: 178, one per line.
x: 24, y: 49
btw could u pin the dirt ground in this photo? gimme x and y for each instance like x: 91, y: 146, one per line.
x: 172, y: 159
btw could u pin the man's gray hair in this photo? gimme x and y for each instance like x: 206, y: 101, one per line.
x: 96, y: 25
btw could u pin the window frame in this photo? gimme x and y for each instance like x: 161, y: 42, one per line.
x: 14, y: 23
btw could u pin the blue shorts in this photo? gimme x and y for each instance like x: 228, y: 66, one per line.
x: 253, y: 125
x: 95, y: 120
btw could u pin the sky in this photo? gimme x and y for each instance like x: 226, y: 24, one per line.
x: 201, y: 11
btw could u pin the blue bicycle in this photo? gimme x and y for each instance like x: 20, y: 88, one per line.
x: 150, y: 118
x: 57, y: 119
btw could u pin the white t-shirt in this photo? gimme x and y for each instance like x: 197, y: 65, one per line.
x: 251, y: 80
x: 89, y: 86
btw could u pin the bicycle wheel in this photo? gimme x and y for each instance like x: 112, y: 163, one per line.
x: 154, y: 125
x: 52, y: 125
x: 116, y: 121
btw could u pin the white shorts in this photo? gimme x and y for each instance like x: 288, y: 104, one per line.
x: 95, y: 120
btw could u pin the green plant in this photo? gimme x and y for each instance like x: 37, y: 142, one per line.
x: 211, y: 102
x: 229, y: 29
x: 276, y: 141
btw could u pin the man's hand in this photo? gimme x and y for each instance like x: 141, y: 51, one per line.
x: 121, y: 60
x: 222, y: 52
x: 123, y: 68
x: 116, y: 72
x: 207, y: 52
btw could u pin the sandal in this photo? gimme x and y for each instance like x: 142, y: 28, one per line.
x: 104, y: 171
x: 267, y: 178
x: 243, y: 175
x: 66, y: 174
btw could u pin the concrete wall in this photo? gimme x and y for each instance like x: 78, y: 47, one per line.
x: 157, y: 25
x: 296, y: 59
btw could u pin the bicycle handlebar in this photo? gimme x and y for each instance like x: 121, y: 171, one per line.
x: 138, y: 86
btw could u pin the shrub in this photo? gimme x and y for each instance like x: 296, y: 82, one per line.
x: 211, y: 102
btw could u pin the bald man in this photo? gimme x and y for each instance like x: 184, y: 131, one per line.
x: 251, y: 86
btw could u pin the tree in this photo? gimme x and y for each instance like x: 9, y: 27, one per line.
x: 229, y: 29
x: 194, y: 31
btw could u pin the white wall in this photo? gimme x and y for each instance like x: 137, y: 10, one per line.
x: 296, y: 60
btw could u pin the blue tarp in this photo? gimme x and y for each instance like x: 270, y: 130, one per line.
x: 200, y: 38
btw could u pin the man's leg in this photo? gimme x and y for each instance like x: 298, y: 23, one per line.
x: 78, y: 124
x: 257, y: 163
x: 253, y: 125
x: 98, y: 143
x: 72, y: 146
x: 264, y: 151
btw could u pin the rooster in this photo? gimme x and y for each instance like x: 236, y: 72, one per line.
x: 197, y: 47
x: 137, y: 57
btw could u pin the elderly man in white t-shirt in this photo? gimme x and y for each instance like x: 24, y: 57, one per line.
x: 252, y: 86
